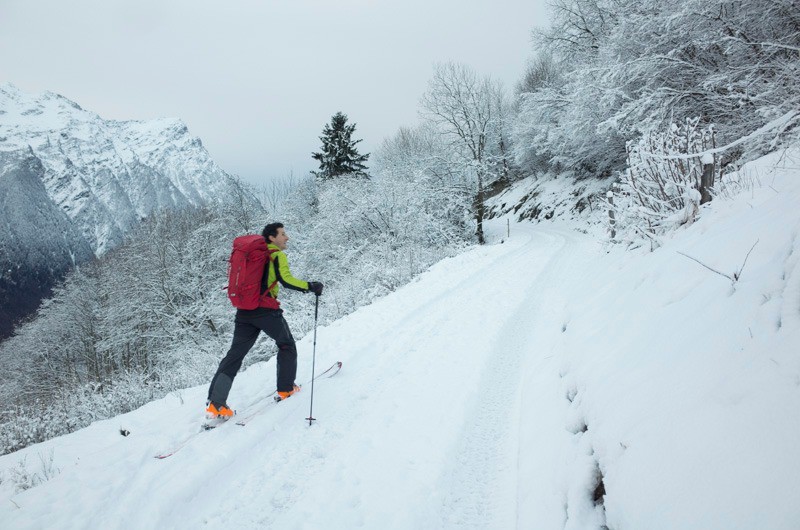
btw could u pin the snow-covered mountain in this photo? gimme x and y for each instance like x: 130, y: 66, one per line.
x: 107, y: 175
x: 73, y: 184
x: 546, y: 380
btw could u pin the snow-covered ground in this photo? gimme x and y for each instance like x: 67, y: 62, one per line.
x: 543, y: 381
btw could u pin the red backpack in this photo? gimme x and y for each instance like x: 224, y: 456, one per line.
x: 247, y: 273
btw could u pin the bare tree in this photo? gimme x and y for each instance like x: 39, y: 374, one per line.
x: 275, y: 191
x: 542, y: 71
x: 244, y: 207
x: 465, y: 109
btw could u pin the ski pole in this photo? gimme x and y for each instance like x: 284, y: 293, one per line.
x: 313, y: 362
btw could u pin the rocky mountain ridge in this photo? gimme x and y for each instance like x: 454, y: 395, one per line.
x: 73, y: 184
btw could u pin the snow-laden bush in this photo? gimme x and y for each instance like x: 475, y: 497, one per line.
x: 659, y: 190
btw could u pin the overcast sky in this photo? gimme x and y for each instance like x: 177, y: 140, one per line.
x: 257, y: 80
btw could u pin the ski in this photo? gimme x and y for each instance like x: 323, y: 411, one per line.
x: 214, y: 423
x: 330, y: 372
x: 264, y: 404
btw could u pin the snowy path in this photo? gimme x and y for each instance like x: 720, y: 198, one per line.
x: 484, y: 481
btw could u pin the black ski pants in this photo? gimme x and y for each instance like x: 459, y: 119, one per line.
x: 248, y: 324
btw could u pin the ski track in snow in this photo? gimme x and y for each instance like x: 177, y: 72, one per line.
x: 484, y: 475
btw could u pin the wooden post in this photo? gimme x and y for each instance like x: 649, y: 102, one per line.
x: 707, y: 180
x: 611, y: 220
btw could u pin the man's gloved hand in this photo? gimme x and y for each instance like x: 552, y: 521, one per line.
x: 315, y: 287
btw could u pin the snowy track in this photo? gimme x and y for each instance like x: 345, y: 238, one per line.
x: 483, y: 483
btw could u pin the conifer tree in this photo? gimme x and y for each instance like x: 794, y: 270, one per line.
x: 339, y: 155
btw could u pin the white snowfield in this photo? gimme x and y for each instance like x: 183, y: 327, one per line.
x: 548, y: 382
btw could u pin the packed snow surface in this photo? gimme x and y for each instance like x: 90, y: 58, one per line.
x: 546, y: 380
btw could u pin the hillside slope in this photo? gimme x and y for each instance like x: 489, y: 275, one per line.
x: 541, y: 381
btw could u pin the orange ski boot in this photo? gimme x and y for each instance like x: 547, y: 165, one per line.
x: 283, y: 395
x: 218, y: 411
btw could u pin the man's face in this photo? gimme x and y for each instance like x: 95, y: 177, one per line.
x: 280, y: 240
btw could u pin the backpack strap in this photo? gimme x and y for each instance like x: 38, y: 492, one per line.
x: 264, y: 279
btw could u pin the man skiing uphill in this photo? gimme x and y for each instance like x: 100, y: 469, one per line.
x: 266, y: 317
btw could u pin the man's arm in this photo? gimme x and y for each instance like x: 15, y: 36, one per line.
x: 284, y: 275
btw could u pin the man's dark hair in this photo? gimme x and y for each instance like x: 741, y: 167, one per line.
x: 271, y: 230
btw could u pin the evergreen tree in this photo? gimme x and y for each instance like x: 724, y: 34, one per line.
x: 339, y: 155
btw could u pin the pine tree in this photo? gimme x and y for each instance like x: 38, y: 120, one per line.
x: 339, y: 155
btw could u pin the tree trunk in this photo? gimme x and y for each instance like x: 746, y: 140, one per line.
x: 505, y: 176
x: 612, y: 222
x: 479, y: 210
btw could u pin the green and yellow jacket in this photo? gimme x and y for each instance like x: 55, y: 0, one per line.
x: 279, y: 273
